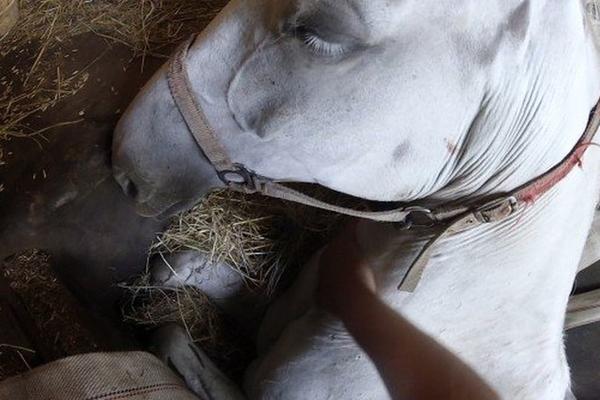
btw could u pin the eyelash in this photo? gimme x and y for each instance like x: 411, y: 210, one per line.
x: 317, y: 45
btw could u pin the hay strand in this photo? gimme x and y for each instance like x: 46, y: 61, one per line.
x: 34, y: 83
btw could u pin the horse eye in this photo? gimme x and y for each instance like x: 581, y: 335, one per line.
x: 315, y: 43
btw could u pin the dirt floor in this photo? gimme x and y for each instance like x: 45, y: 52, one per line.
x: 55, y: 196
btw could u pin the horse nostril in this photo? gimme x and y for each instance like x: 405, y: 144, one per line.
x: 130, y: 189
x: 128, y: 186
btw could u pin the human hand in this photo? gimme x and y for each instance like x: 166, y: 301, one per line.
x: 344, y: 274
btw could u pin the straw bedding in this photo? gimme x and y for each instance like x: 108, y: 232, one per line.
x: 34, y: 83
x: 264, y: 240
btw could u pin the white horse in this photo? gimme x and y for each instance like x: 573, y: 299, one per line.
x: 424, y: 101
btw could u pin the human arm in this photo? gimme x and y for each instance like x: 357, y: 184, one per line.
x: 412, y: 364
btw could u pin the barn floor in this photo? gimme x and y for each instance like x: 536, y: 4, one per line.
x: 59, y: 196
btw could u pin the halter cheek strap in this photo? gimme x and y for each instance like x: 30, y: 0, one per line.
x: 453, y: 218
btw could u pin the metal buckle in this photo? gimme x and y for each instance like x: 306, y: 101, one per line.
x: 497, y: 210
x: 417, y: 217
x: 240, y: 176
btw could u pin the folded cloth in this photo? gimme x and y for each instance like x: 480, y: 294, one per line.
x: 101, y: 376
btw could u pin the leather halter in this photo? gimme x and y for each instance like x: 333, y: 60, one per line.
x: 453, y: 218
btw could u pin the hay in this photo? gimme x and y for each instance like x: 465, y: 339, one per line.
x: 149, y: 27
x: 258, y: 236
x: 23, y: 98
x: 148, y: 306
x: 35, y: 83
x: 9, y: 13
x: 151, y: 306
x: 54, y: 310
x: 263, y: 239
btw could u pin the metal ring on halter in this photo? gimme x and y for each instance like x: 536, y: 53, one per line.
x: 418, y: 217
x: 239, y: 176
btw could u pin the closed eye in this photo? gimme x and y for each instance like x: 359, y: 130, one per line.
x: 318, y: 45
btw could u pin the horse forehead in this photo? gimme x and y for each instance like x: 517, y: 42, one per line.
x: 384, y: 17
x: 369, y: 11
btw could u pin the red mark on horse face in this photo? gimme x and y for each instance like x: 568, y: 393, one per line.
x: 451, y: 146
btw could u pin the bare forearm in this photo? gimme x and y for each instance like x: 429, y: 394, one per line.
x: 412, y: 364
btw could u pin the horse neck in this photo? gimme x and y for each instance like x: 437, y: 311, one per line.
x: 535, y: 120
x: 536, y: 109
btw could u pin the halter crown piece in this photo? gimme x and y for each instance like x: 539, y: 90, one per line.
x: 453, y: 218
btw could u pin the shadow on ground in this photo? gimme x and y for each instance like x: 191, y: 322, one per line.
x: 59, y: 194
